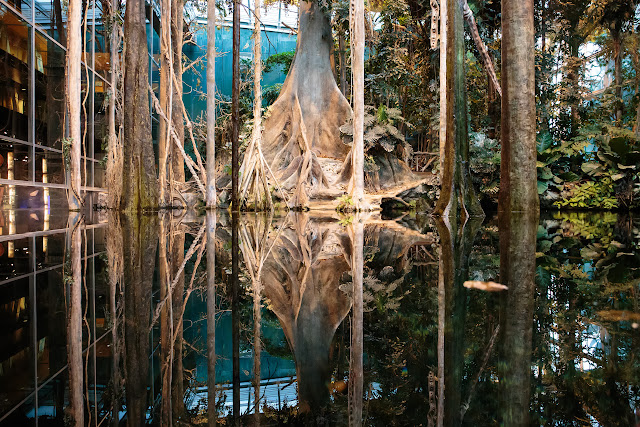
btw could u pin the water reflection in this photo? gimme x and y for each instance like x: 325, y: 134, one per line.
x: 319, y: 319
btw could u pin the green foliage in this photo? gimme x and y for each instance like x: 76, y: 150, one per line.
x: 283, y: 59
x: 345, y: 204
x: 380, y: 130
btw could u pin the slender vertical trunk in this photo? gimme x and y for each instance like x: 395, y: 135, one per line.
x: 211, y: 104
x: 357, y: 69
x: 235, y: 315
x: 356, y: 379
x: 140, y: 184
x: 212, y: 416
x: 617, y: 49
x: 457, y: 195
x: 74, y: 78
x: 74, y: 324
x: 166, y: 103
x: 235, y: 107
x: 343, y: 63
x: 518, y: 175
x: 115, y: 159
x: 257, y: 346
x: 177, y: 36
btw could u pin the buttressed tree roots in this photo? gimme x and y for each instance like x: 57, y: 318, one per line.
x: 305, y: 119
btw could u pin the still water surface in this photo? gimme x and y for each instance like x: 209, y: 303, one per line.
x: 316, y: 319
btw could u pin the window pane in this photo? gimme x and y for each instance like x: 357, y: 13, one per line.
x: 14, y: 75
x: 50, y: 59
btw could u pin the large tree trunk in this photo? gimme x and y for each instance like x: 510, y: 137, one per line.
x: 457, y: 195
x: 140, y: 185
x: 74, y: 53
x: 305, y: 119
x: 211, y: 104
x: 518, y: 175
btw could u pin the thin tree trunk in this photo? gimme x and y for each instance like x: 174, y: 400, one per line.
x: 518, y: 175
x: 115, y: 155
x: 140, y: 184
x: 356, y: 378
x: 177, y: 117
x: 235, y: 107
x: 212, y: 415
x: 484, y: 54
x: 617, y: 48
x: 211, y: 104
x: 457, y: 195
x: 74, y: 78
x: 166, y: 102
x: 356, y: 186
x: 74, y: 324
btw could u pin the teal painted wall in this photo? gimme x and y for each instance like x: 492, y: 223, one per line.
x: 195, y: 80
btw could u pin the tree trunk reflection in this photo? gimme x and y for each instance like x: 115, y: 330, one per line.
x: 517, y: 272
x: 456, y: 243
x: 140, y: 235
x: 211, y: 318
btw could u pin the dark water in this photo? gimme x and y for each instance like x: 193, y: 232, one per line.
x: 322, y: 319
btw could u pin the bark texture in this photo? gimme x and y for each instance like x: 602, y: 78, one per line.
x: 140, y: 185
x: 356, y: 185
x: 211, y: 104
x: 75, y: 410
x: 235, y: 107
x: 457, y: 196
x: 305, y: 119
x: 518, y: 175
x: 73, y: 95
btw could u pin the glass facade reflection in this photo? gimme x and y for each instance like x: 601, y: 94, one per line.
x: 32, y: 103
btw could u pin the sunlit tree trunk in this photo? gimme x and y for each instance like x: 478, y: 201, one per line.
x: 73, y: 95
x: 356, y: 186
x: 253, y: 173
x: 211, y: 104
x: 235, y: 106
x: 74, y: 324
x: 166, y: 102
x: 518, y: 175
x: 177, y: 36
x: 457, y: 195
x: 140, y: 184
x: 115, y: 154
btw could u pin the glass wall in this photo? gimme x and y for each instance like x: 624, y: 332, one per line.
x: 32, y: 104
